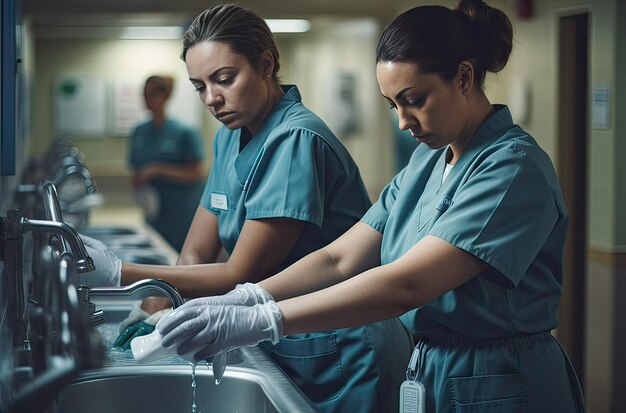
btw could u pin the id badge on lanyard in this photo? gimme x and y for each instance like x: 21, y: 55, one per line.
x: 412, y: 391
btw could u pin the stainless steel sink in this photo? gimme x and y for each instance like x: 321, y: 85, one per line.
x: 128, y: 244
x: 103, y: 231
x: 252, y: 382
x: 147, y: 256
x: 133, y: 241
x: 254, y: 385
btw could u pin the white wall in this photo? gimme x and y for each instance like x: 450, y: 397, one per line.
x: 109, y: 60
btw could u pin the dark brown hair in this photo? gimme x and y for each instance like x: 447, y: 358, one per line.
x: 437, y: 39
x: 241, y: 29
x: 163, y: 84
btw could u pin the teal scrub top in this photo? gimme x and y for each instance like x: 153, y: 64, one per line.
x: 502, y: 203
x: 295, y: 167
x: 176, y: 143
x: 486, y: 345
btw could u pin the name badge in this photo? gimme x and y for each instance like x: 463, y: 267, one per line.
x: 412, y: 391
x: 219, y: 201
x: 445, y: 203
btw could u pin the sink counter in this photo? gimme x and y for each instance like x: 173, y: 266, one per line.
x: 251, y: 383
x: 254, y: 384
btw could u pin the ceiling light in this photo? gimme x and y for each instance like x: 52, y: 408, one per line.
x: 151, y: 32
x: 288, y: 25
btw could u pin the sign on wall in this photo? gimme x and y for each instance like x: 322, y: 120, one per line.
x: 80, y: 105
x: 88, y: 106
x: 129, y: 106
x: 600, y: 106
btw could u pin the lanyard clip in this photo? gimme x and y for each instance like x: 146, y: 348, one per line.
x: 412, y: 370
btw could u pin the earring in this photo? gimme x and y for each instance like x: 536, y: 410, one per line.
x: 267, y: 76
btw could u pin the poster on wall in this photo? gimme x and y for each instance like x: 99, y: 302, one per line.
x: 600, y: 106
x: 79, y: 102
x: 343, y: 116
x: 129, y: 108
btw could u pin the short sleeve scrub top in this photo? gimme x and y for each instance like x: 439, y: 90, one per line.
x: 175, y: 143
x: 486, y: 345
x: 295, y: 167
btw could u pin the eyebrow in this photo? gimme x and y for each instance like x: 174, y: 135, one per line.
x: 400, y: 93
x: 403, y: 91
x: 213, y: 75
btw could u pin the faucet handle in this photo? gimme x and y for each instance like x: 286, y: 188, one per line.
x: 83, y: 300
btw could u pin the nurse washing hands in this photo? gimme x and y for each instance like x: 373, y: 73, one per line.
x: 465, y: 244
x: 281, y: 186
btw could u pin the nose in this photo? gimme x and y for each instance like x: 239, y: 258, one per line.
x: 405, y: 119
x: 212, y: 97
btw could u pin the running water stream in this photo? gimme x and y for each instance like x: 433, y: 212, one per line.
x: 115, y: 356
x: 193, y: 388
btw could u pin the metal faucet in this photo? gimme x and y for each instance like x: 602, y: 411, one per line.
x: 81, y: 258
x: 12, y: 229
x: 64, y: 343
x: 53, y: 210
x: 142, y: 289
x: 77, y: 169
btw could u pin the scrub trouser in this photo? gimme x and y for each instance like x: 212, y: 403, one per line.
x: 512, y: 375
x: 348, y: 370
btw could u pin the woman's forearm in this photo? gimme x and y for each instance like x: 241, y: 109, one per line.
x: 314, y: 272
x: 374, y: 295
x: 429, y: 269
x: 261, y: 247
x: 191, y: 280
x: 354, y: 252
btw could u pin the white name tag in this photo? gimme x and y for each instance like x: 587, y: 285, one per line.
x: 412, y: 397
x: 219, y: 201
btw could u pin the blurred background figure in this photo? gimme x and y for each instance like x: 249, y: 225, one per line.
x: 165, y: 156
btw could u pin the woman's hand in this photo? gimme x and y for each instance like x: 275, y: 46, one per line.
x: 108, y: 270
x: 247, y: 294
x: 206, y: 330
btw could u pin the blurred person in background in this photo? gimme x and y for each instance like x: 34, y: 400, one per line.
x: 166, y: 156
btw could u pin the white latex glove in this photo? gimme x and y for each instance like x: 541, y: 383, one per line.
x: 108, y: 270
x: 136, y: 314
x: 247, y: 294
x: 206, y: 330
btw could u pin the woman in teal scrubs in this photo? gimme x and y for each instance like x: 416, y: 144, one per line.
x: 465, y: 244
x: 281, y: 186
x: 166, y: 155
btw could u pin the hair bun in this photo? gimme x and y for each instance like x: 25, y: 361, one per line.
x: 492, y: 32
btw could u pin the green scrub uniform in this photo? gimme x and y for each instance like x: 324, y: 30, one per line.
x: 175, y: 143
x: 486, y: 345
x: 294, y: 167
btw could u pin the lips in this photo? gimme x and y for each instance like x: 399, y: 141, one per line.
x: 224, y: 115
x: 423, y: 137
